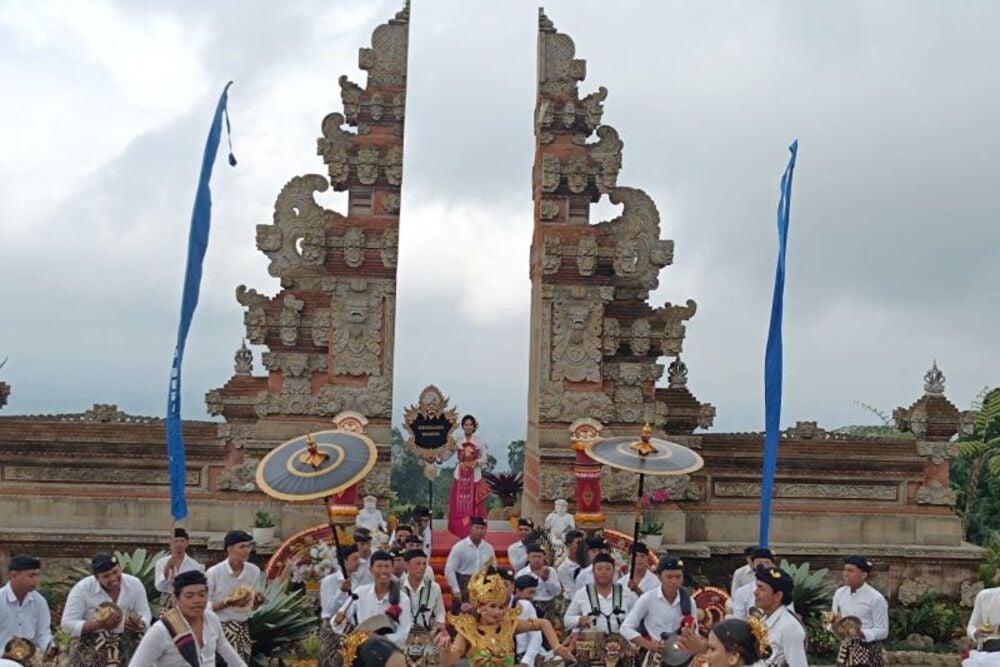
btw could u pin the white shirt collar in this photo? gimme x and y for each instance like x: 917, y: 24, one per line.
x: 660, y: 595
x: 9, y: 594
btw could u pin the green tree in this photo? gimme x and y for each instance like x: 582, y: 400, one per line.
x: 515, y: 455
x: 980, y: 450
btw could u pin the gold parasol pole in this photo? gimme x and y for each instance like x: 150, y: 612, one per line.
x: 643, y: 448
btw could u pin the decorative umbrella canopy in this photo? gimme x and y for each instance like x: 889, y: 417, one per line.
x: 646, y: 456
x: 316, y: 465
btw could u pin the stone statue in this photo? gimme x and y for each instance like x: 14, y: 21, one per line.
x: 370, y: 517
x: 558, y: 523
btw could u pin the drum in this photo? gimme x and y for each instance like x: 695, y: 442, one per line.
x: 590, y: 647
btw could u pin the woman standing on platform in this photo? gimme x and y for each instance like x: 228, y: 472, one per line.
x: 469, y: 491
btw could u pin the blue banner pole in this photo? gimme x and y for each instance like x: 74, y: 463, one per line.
x: 201, y: 221
x: 773, y: 356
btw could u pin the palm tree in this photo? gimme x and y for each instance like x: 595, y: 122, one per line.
x: 980, y: 449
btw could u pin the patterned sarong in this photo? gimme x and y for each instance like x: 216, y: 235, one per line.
x: 97, y: 649
x: 329, y: 644
x: 238, y: 634
x: 856, y: 652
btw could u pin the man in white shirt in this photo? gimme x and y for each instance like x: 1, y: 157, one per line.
x: 423, y: 527
x: 548, y: 587
x: 595, y: 545
x: 603, y: 605
x: 528, y: 645
x: 188, y: 635
x: 644, y: 579
x: 23, y: 612
x: 743, y: 574
x: 517, y: 552
x: 786, y: 634
x: 426, y: 606
x: 235, y: 590
x: 99, y: 609
x: 743, y: 597
x: 574, y: 562
x: 663, y: 611
x: 171, y: 565
x: 467, y: 557
x: 859, y: 646
x: 333, y: 593
x: 385, y: 596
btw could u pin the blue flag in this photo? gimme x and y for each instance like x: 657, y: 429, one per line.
x: 201, y: 221
x: 772, y: 357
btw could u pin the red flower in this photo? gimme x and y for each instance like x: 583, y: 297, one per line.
x: 687, y: 621
x: 394, y: 611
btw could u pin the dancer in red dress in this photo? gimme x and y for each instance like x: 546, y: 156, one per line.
x: 469, y: 491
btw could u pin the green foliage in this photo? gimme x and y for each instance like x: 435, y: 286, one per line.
x: 261, y: 519
x: 144, y: 568
x: 649, y: 524
x: 285, y: 619
x: 812, y: 592
x: 977, y: 468
x: 515, y: 455
x: 820, y: 641
x: 932, y: 615
x: 991, y: 563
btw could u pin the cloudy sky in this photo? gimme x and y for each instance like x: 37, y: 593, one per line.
x: 894, y: 233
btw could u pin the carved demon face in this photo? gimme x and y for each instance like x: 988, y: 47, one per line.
x: 577, y: 317
x: 356, y: 312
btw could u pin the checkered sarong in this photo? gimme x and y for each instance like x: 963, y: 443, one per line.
x: 856, y: 652
x: 97, y: 649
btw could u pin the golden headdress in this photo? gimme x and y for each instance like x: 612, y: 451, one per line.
x: 759, y: 630
x: 487, y: 586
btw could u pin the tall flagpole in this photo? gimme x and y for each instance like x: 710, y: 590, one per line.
x: 773, y: 356
x: 201, y: 221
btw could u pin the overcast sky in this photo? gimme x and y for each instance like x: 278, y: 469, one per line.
x: 892, y: 257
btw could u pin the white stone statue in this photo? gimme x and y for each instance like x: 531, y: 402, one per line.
x: 558, y: 523
x: 370, y: 517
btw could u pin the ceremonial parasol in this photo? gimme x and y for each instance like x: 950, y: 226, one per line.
x: 317, y: 465
x: 646, y: 456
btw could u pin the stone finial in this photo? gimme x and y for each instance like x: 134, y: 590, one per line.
x: 677, y: 373
x: 243, y: 360
x: 934, y: 381
x: 545, y: 24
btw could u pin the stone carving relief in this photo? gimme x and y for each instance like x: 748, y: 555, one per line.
x: 706, y: 415
x: 672, y: 336
x: 558, y: 71
x: 391, y: 202
x: 214, y: 403
x: 803, y: 490
x: 333, y: 147
x: 557, y: 481
x: 612, y: 336
x: 367, y: 164
x: 350, y: 95
x: 936, y: 493
x: 592, y: 107
x: 354, y: 247
x: 237, y: 434
x: 607, y: 156
x: 548, y: 209
x: 639, y: 252
x: 551, y: 173
x: 321, y: 323
x: 576, y: 340
x: 639, y: 342
x: 296, y: 369
x: 243, y: 360
x: 938, y: 452
x: 551, y: 254
x: 289, y: 319
x: 390, y: 248
x: 556, y: 404
x: 357, y: 321
x: 586, y: 255
x: 377, y: 482
x: 240, y: 477
x: 295, y: 241
x: 577, y: 174
x: 677, y: 373
x: 680, y: 487
x: 255, y: 319
x: 385, y: 61
x: 394, y: 165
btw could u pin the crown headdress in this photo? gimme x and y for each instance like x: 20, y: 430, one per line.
x: 487, y: 586
x: 759, y: 631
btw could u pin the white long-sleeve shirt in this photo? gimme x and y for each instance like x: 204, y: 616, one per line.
x: 741, y: 577
x: 586, y: 577
x: 157, y: 648
x: 87, y: 594
x: 222, y: 581
x: 466, y: 559
x: 985, y: 610
x: 581, y: 606
x: 647, y: 582
x: 528, y: 643
x: 29, y: 619
x: 868, y: 605
x: 788, y: 639
x: 517, y: 554
x: 660, y: 615
x: 331, y: 598
x: 743, y: 600
x: 166, y: 585
x: 566, y: 570
x: 369, y: 604
x: 547, y: 589
x: 430, y: 591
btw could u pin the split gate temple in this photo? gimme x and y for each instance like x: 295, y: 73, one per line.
x: 74, y: 483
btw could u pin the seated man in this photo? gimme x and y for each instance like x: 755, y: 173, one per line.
x: 385, y: 596
x: 602, y: 605
x: 548, y: 586
x: 187, y: 634
x: 24, y: 612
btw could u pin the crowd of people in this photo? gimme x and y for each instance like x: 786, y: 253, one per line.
x: 384, y: 606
